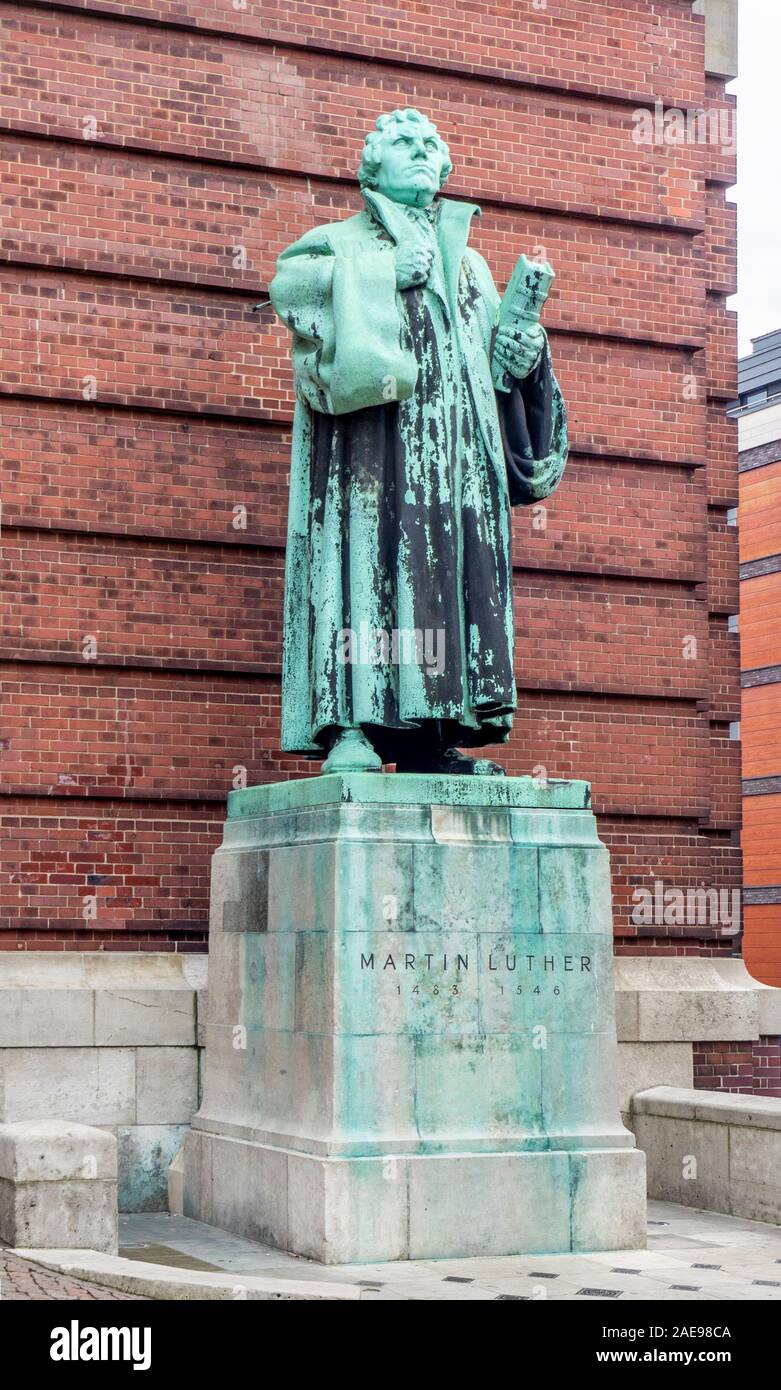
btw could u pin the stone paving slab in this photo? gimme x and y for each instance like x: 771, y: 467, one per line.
x: 693, y: 1257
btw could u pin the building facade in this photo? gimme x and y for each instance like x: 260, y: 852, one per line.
x: 759, y: 428
x: 156, y: 160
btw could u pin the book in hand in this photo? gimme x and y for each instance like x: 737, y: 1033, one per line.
x: 522, y: 305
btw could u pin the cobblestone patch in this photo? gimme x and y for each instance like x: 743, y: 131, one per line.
x: 21, y: 1280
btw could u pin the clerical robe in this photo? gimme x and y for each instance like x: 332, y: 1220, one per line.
x: 406, y: 460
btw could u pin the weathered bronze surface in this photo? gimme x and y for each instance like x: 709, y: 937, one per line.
x: 425, y: 409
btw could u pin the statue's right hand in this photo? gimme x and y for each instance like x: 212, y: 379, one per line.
x: 413, y: 266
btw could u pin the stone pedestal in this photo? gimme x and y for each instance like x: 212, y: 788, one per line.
x: 410, y: 1048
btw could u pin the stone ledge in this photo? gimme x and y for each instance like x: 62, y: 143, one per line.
x: 714, y: 1107
x: 712, y: 1150
x: 409, y: 789
x: 692, y: 999
x: 85, y: 999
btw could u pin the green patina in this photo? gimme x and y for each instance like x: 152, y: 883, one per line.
x: 372, y: 789
x: 399, y: 516
x: 406, y: 965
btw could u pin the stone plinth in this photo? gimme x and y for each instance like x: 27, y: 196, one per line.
x: 410, y: 1050
x: 58, y: 1186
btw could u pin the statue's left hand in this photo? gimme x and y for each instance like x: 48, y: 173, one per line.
x: 518, y: 350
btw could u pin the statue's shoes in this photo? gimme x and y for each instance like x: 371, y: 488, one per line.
x: 352, y: 752
x: 455, y: 764
x: 483, y: 767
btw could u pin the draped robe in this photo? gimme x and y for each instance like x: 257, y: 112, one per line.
x: 406, y: 459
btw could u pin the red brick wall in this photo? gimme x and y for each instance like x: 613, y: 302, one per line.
x: 749, y: 1069
x: 143, y: 402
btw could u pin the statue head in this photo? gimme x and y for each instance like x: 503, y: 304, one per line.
x: 404, y: 158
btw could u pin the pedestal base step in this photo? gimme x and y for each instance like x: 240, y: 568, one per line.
x: 359, y: 1210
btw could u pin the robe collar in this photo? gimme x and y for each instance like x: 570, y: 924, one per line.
x: 453, y: 224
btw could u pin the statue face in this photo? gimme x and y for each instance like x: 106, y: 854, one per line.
x: 411, y: 166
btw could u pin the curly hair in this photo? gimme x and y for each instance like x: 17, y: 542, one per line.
x: 371, y: 157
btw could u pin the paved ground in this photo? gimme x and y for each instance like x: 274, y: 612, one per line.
x: 692, y: 1256
x: 21, y: 1280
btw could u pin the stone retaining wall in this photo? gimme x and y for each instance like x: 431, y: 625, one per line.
x: 109, y: 1041
x: 710, y: 1150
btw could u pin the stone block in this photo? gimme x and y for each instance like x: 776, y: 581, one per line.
x: 482, y: 1092
x: 45, y: 1000
x: 56, y: 1151
x: 87, y: 1085
x: 301, y: 887
x: 449, y: 888
x: 470, y: 825
x: 755, y: 1169
x: 375, y: 1101
x: 566, y: 1120
x: 374, y: 881
x: 540, y: 826
x: 721, y: 36
x: 769, y: 1011
x: 270, y: 1083
x: 252, y: 981
x: 66, y: 1216
x: 46, y: 1017
x: 202, y: 1008
x: 755, y: 1156
x: 627, y: 1015
x: 254, y: 1180
x: 196, y: 1161
x: 491, y: 1204
x: 606, y: 1213
x: 674, y: 1016
x: 575, y: 893
x: 166, y: 1085
x: 58, y: 1186
x: 348, y: 1210
x: 144, y: 1017
x: 245, y: 893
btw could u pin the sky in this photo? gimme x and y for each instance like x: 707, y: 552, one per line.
x: 758, y: 190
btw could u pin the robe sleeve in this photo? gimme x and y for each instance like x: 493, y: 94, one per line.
x: 533, y: 420
x: 344, y: 310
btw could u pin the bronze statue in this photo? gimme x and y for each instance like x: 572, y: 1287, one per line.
x: 425, y: 409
